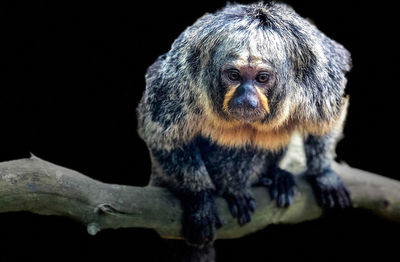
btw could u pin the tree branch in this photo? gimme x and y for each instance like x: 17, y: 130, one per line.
x: 44, y: 188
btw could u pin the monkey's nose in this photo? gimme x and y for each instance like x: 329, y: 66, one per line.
x: 252, y: 101
x: 246, y: 97
x: 249, y: 100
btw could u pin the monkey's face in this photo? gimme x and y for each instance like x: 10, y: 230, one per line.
x: 246, y: 83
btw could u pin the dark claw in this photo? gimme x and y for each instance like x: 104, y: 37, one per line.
x: 219, y: 222
x: 332, y: 202
x: 339, y: 199
x: 275, y: 194
x: 234, y: 209
x: 282, y: 187
x: 346, y: 197
x: 241, y: 205
x: 329, y: 190
x: 252, y: 205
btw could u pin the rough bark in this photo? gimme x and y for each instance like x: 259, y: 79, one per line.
x: 44, y: 188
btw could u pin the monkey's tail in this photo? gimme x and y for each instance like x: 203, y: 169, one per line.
x: 196, y: 254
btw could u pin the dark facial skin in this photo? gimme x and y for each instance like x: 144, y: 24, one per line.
x: 247, y: 85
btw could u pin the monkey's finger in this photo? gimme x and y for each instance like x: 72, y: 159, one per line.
x: 289, y: 197
x: 289, y: 200
x: 246, y: 218
x: 241, y: 211
x: 339, y: 199
x: 252, y: 204
x: 274, y: 188
x: 247, y: 210
x: 345, y: 196
x: 237, y: 208
x: 320, y: 197
x: 293, y: 190
x: 292, y: 193
x: 290, y: 189
x: 234, y: 210
x: 282, y: 200
x: 219, y: 221
x: 282, y: 193
x: 232, y: 204
x: 330, y: 197
x: 243, y: 219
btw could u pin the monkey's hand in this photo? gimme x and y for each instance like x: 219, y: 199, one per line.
x: 241, y: 205
x: 281, y: 186
x: 201, y: 218
x: 329, y: 189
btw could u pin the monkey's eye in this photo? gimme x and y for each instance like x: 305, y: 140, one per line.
x: 262, y: 78
x: 233, y: 75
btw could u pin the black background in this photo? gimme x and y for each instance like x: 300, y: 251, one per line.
x: 72, y: 74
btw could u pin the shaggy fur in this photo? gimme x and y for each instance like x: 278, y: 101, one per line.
x: 201, y: 147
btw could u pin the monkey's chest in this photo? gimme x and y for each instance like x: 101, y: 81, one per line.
x: 229, y: 166
x: 236, y: 134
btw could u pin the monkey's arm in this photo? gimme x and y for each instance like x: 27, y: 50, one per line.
x: 328, y: 187
x: 189, y: 180
x: 281, y: 183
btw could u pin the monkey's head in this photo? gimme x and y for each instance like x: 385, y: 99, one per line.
x: 261, y: 65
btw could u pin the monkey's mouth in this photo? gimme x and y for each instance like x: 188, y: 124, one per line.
x: 247, y: 106
x: 247, y: 115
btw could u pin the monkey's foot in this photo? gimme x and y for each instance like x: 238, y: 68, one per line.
x: 281, y: 185
x: 329, y: 190
x: 201, y: 218
x: 241, y: 205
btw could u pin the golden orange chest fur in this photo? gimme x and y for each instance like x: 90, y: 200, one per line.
x: 234, y: 134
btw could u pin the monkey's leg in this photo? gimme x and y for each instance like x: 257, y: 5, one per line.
x: 328, y: 187
x: 230, y: 170
x: 280, y: 183
x: 200, y: 219
x: 189, y: 180
x: 204, y: 254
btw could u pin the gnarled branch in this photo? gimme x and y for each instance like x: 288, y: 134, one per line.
x: 44, y: 188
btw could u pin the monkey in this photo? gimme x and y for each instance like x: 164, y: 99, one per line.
x: 221, y: 106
